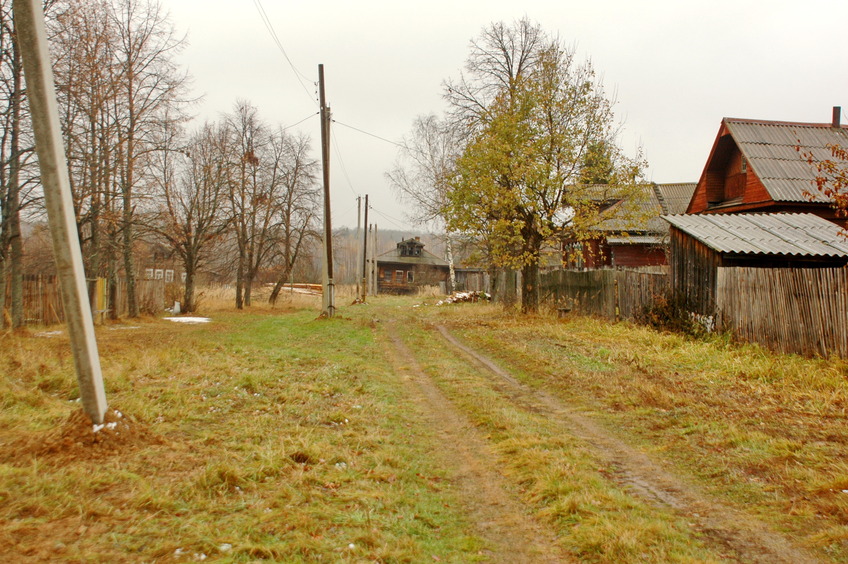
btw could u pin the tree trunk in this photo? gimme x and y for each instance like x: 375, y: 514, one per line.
x: 530, y: 288
x: 281, y: 281
x: 129, y: 267
x: 112, y: 276
x: 13, y: 196
x: 451, y: 267
x: 188, y: 294
x: 240, y: 282
x: 3, y: 323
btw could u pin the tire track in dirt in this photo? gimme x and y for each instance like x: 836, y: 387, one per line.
x: 749, y: 539
x: 511, y: 533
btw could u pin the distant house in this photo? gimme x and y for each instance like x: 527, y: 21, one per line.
x: 701, y: 244
x: 756, y: 166
x: 409, y: 266
x: 631, y: 233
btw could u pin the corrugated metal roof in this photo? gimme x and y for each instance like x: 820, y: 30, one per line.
x: 770, y: 148
x: 676, y: 197
x: 796, y: 234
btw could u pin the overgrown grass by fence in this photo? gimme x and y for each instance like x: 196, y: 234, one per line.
x: 42, y: 299
x: 801, y: 310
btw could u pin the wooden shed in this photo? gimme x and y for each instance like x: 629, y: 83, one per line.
x: 701, y: 244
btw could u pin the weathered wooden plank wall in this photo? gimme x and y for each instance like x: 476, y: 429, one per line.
x: 43, y: 299
x: 803, y: 311
x: 608, y: 293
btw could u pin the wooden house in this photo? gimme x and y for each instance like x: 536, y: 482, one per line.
x: 702, y: 244
x: 759, y: 166
x: 630, y: 232
x: 409, y: 266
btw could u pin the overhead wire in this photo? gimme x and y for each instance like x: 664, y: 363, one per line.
x: 270, y: 27
x: 301, y: 121
x: 389, y: 218
x: 343, y: 167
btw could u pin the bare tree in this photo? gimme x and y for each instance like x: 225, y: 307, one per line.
x: 298, y: 204
x: 150, y: 91
x: 422, y: 173
x: 18, y: 175
x: 191, y: 189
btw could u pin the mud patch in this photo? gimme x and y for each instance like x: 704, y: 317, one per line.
x: 79, y: 438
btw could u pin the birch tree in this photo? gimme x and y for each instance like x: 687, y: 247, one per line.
x: 422, y: 174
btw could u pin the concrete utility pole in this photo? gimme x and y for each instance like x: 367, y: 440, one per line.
x: 329, y: 299
x: 32, y: 38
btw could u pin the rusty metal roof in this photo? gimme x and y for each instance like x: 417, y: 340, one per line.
x: 770, y: 148
x: 795, y: 234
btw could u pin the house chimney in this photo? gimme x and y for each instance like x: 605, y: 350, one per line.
x: 837, y: 116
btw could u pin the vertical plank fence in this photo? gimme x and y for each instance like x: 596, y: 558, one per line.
x: 43, y: 299
x: 803, y: 311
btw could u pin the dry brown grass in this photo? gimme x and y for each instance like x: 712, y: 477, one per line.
x: 761, y: 430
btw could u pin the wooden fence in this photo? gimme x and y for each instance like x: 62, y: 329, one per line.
x: 615, y: 294
x: 42, y: 299
x: 803, y: 311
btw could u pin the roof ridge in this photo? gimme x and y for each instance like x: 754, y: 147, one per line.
x: 777, y: 122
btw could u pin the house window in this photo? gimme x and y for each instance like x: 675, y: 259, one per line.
x: 183, y: 277
x: 169, y: 275
x: 409, y: 277
x: 744, y: 166
x: 148, y: 273
x: 399, y: 276
x: 159, y: 274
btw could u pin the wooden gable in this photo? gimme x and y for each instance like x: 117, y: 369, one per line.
x: 728, y: 182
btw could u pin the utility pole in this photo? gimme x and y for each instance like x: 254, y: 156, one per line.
x: 360, y: 294
x: 329, y: 298
x: 365, y: 248
x: 41, y: 92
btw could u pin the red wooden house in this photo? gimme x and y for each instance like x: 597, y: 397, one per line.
x: 758, y: 166
x: 630, y: 232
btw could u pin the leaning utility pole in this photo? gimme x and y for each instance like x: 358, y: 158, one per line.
x: 329, y: 301
x: 41, y: 92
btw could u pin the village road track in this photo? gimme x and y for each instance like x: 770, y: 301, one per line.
x: 511, y: 533
x: 728, y: 528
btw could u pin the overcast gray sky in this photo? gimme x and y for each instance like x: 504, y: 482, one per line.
x: 676, y: 68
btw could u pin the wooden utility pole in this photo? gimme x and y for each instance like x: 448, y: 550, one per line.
x: 329, y: 300
x: 41, y: 92
x: 365, y: 250
x: 360, y: 294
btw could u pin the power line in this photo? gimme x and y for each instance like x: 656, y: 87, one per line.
x: 389, y: 218
x: 301, y: 121
x: 372, y: 135
x: 344, y: 169
x: 270, y: 27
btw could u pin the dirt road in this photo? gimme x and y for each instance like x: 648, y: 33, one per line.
x: 506, y: 523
